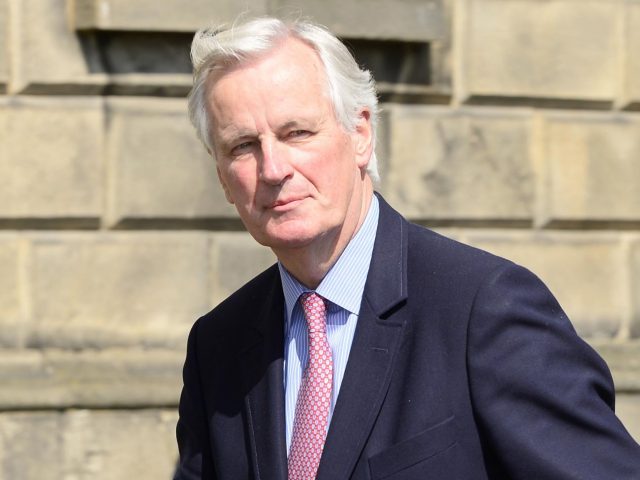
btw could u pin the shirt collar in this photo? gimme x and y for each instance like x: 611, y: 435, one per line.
x: 343, y: 284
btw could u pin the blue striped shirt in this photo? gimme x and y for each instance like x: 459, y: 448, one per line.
x: 342, y: 286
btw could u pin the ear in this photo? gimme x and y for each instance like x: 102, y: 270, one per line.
x: 363, y: 139
x: 227, y: 193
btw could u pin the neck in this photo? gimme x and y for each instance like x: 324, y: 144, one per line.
x: 309, y: 264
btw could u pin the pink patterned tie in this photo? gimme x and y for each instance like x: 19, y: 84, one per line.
x: 314, y: 397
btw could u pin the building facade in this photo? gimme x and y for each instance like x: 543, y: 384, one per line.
x: 512, y: 125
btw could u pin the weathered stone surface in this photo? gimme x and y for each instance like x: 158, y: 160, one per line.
x: 628, y: 410
x: 25, y: 435
x: 235, y: 259
x: 11, y: 304
x: 120, y: 444
x: 635, y: 289
x: 408, y: 19
x: 528, y: 48
x: 159, y: 168
x: 47, y: 55
x: 37, y: 379
x: 632, y: 44
x: 51, y: 158
x: 464, y: 164
x: 168, y: 15
x: 585, y: 272
x: 590, y: 168
x: 419, y: 20
x: 97, y: 290
x: 50, y: 57
x: 83, y: 445
x: 4, y: 42
x: 41, y: 379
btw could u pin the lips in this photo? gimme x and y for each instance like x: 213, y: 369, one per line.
x: 286, y: 203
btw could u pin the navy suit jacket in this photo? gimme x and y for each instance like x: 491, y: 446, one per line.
x: 463, y: 366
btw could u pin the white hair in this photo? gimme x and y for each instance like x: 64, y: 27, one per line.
x: 350, y: 88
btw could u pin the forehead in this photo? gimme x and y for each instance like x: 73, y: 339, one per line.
x: 291, y: 51
x: 290, y: 69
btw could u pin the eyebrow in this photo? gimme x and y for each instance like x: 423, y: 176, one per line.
x: 305, y: 123
x: 291, y: 124
x: 233, y: 134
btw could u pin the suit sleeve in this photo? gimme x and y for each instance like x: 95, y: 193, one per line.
x: 195, y: 461
x: 542, y: 397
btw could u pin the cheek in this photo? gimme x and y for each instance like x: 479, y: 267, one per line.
x: 342, y: 168
x: 241, y: 184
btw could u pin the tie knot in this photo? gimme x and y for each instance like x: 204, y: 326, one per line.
x: 314, y: 308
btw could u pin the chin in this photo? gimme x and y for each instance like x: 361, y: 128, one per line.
x: 286, y: 242
x: 286, y: 239
x: 293, y: 233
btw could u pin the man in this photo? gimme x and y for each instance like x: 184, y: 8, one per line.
x: 374, y: 348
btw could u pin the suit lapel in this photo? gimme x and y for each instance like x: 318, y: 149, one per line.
x: 261, y: 361
x: 373, y: 352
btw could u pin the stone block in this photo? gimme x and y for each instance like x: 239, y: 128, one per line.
x: 586, y: 273
x: 533, y: 49
x: 235, y: 259
x: 51, y: 158
x: 461, y: 164
x: 628, y: 410
x: 113, y: 377
x: 4, y: 42
x: 11, y: 302
x: 408, y: 19
x: 590, y: 168
x: 635, y: 289
x: 158, y: 167
x: 31, y: 446
x: 632, y: 45
x: 168, y: 15
x: 113, y: 445
x: 85, y: 444
x: 48, y: 55
x: 100, y: 290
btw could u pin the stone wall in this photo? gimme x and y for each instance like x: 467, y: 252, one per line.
x: 508, y: 124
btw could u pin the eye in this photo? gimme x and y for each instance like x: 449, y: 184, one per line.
x: 298, y: 134
x: 241, y: 148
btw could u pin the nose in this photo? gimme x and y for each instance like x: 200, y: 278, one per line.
x: 275, y: 166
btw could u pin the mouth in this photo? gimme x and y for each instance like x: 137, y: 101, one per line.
x: 284, y: 204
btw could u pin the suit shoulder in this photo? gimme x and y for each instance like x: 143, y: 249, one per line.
x: 447, y: 254
x: 243, y: 304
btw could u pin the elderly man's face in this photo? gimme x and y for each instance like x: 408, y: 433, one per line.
x: 292, y: 171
